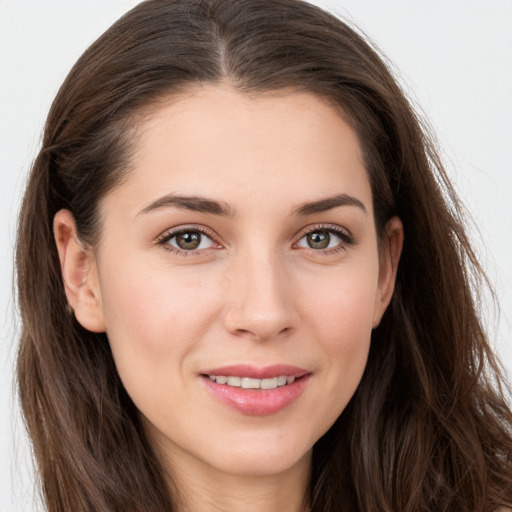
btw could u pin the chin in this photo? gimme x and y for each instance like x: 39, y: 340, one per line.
x: 264, y: 464
x: 263, y: 456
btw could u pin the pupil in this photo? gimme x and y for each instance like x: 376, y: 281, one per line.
x: 188, y: 240
x: 318, y: 240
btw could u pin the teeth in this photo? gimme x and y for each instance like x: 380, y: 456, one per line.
x: 281, y: 381
x: 250, y: 383
x: 232, y: 381
x: 269, y: 383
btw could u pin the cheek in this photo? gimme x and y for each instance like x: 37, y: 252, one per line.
x: 154, y: 318
x: 342, y: 304
x: 154, y: 322
x: 341, y: 320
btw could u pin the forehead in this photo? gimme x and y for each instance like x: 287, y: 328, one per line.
x: 290, y: 147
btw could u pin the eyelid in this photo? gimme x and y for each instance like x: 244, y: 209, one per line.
x: 347, y: 239
x: 343, y: 233
x: 170, y: 233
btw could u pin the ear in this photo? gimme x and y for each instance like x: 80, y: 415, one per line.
x: 388, y: 266
x: 79, y: 273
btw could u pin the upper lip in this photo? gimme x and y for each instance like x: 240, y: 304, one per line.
x: 253, y: 372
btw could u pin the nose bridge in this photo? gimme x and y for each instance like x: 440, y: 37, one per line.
x: 260, y: 302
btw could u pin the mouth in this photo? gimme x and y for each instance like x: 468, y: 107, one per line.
x: 252, y: 383
x: 256, y: 391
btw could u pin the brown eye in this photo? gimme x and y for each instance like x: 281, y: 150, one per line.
x: 325, y: 239
x: 189, y: 241
x: 318, y: 239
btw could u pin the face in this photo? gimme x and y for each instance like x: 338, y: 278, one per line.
x: 238, y: 277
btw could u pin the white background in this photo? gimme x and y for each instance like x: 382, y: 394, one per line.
x: 454, y: 57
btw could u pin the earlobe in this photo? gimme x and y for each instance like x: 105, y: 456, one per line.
x: 79, y: 273
x: 389, y: 258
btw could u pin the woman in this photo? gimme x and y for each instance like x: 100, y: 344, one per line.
x: 252, y: 287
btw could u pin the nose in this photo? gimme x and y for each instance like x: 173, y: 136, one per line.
x: 261, y: 300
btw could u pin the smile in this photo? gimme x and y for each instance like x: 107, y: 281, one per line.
x: 256, y: 391
x: 252, y: 383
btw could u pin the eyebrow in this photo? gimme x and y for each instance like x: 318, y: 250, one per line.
x: 192, y: 203
x: 329, y: 203
x: 206, y: 205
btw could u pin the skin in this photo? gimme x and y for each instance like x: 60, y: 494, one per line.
x: 255, y: 292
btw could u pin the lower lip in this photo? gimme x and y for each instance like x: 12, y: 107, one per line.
x: 257, y: 402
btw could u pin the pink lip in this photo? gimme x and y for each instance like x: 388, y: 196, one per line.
x: 268, y: 372
x: 257, y: 402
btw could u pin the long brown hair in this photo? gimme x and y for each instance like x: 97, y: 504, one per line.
x: 428, y: 429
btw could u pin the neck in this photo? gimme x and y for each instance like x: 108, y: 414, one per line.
x: 202, y: 488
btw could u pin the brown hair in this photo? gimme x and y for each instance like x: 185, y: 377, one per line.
x: 428, y: 428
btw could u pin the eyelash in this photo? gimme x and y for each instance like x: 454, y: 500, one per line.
x: 163, y: 240
x: 347, y: 240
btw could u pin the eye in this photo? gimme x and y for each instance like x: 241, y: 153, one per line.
x: 325, y: 238
x: 187, y: 240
